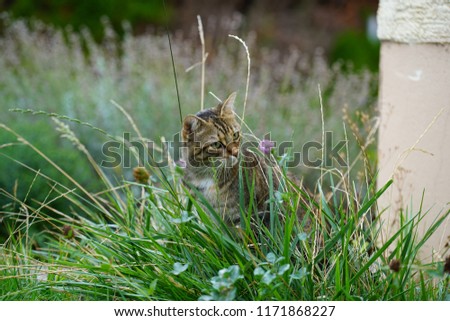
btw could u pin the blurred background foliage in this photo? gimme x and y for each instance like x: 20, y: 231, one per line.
x: 85, y: 13
x: 344, y: 29
x: 73, y: 57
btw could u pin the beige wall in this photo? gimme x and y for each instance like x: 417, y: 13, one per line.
x: 414, y: 134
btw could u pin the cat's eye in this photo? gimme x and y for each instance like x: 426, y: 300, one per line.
x: 236, y: 135
x: 216, y: 145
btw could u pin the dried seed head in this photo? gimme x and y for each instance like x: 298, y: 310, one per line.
x: 141, y: 175
x: 68, y: 232
x: 447, y: 265
x: 394, y: 265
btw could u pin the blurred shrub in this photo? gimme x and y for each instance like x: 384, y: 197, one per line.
x: 355, y: 50
x: 86, y: 13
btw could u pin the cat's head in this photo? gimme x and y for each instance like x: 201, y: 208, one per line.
x: 212, y: 136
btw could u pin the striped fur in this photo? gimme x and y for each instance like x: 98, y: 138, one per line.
x: 214, y: 157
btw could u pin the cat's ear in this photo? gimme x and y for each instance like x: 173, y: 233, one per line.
x: 226, y: 109
x: 190, y: 124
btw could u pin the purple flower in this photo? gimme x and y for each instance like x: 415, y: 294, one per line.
x: 266, y: 145
x: 181, y: 163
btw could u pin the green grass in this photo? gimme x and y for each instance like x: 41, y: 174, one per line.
x: 77, y: 231
x: 144, y: 242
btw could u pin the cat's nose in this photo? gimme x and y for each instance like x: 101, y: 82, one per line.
x: 233, y: 150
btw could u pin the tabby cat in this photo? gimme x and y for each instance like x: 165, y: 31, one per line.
x: 214, y: 157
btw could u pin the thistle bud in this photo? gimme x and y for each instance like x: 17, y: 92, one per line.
x: 141, y: 175
x: 68, y: 232
x: 447, y: 265
x: 394, y: 265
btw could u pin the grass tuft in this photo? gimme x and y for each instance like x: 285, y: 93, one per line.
x: 143, y: 242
